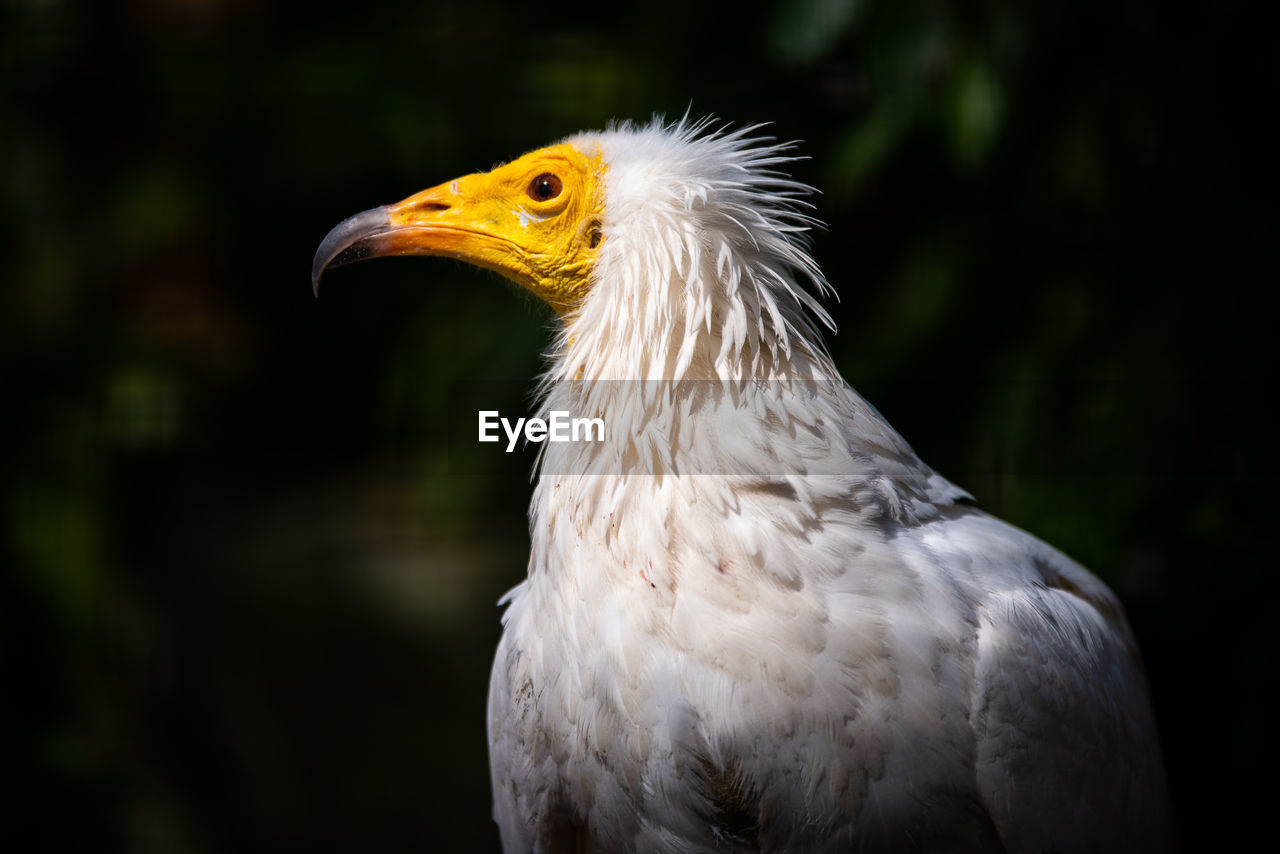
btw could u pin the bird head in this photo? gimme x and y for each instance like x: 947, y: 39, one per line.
x: 536, y: 221
x: 660, y: 247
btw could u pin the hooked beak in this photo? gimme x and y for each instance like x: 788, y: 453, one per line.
x: 362, y: 236
x: 438, y: 221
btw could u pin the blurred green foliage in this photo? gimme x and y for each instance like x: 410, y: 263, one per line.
x: 244, y: 606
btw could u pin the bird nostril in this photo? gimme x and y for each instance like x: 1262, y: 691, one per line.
x: 434, y: 207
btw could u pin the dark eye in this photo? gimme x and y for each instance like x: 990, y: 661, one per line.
x: 545, y: 187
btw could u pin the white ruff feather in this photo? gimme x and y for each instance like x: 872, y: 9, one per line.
x: 754, y: 620
x: 702, y: 266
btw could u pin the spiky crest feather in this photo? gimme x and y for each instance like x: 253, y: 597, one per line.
x: 704, y: 271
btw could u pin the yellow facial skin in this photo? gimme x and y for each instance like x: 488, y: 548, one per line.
x: 536, y: 220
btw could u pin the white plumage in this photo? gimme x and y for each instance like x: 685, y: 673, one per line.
x: 754, y: 620
x: 739, y: 661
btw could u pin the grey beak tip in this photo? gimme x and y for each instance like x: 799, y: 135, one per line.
x: 349, y: 241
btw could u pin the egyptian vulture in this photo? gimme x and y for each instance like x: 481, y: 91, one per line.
x: 754, y: 620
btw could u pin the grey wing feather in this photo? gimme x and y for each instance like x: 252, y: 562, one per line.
x: 1067, y: 756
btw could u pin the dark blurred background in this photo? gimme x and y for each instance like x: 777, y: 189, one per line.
x: 246, y: 606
